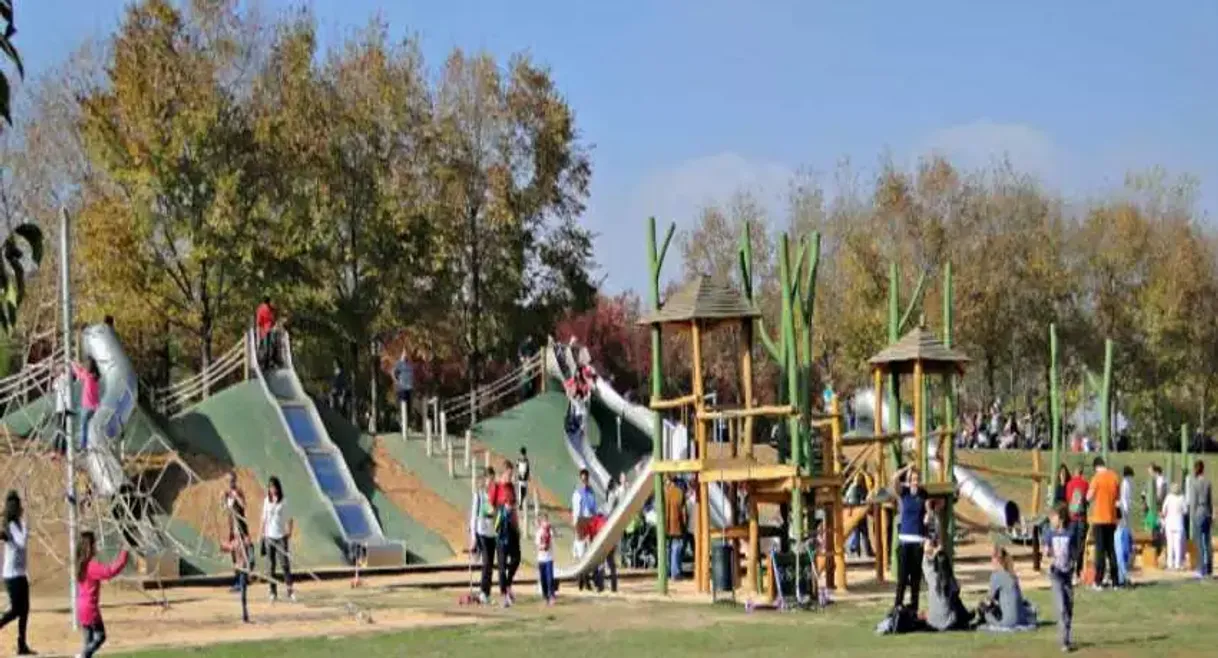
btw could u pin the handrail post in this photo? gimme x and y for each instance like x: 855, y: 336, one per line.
x: 452, y: 473
x: 468, y: 436
x: 245, y: 356
x: 473, y: 405
x: 427, y: 434
x: 404, y: 419
x: 443, y: 429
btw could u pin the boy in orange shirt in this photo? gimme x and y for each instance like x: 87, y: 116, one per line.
x: 1102, y: 497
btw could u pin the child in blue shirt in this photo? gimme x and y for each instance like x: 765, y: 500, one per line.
x: 1059, y: 547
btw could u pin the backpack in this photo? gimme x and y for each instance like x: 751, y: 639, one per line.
x: 899, y: 620
x: 1077, y: 502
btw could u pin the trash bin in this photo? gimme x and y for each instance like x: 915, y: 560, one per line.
x: 723, y: 567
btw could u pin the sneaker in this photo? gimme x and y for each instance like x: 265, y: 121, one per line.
x: 507, y: 603
x: 273, y: 597
x: 483, y: 599
x: 292, y: 597
x: 550, y: 601
x: 1067, y: 648
x: 1096, y: 588
x: 26, y: 651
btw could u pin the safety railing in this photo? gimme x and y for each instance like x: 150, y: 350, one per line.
x: 465, y: 409
x: 182, y: 394
x: 30, y: 383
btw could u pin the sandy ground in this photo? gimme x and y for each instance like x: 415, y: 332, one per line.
x: 408, y: 492
x: 40, y: 482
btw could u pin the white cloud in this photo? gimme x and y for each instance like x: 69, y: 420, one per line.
x: 983, y: 142
x: 675, y: 195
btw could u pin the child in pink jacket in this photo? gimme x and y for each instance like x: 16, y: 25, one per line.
x: 89, y: 576
x: 90, y: 396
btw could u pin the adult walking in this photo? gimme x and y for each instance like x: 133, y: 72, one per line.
x: 14, y: 535
x: 482, y: 533
x: 507, y: 530
x: 674, y: 525
x: 403, y: 385
x: 1102, y: 498
x: 1201, y: 514
x: 277, y: 529
x: 911, y: 533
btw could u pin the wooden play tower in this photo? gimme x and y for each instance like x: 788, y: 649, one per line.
x: 696, y: 309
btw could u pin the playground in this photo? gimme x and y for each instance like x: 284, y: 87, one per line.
x: 307, y: 348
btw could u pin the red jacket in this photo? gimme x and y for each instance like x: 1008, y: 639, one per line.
x: 500, y: 494
x: 265, y: 318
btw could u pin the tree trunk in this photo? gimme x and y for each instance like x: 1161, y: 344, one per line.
x: 353, y: 353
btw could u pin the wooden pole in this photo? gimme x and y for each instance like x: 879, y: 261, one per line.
x: 1106, y: 402
x: 452, y: 470
x: 427, y: 435
x: 839, y: 510
x: 919, y: 416
x: 702, y: 539
x: 466, y: 456
x: 881, y: 546
x: 443, y: 429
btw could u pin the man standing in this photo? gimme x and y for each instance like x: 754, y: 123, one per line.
x: 1102, y: 497
x: 674, y: 525
x: 482, y: 534
x: 1201, y: 514
x: 403, y: 384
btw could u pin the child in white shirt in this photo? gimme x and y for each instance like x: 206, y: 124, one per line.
x: 1173, y: 525
x: 545, y: 558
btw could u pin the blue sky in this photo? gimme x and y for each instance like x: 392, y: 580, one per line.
x: 685, y: 102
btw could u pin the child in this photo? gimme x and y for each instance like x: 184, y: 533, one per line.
x: 1124, y: 548
x: 89, y: 576
x: 1005, y: 608
x: 545, y: 558
x: 1058, y: 546
x: 241, y: 548
x: 1173, y: 523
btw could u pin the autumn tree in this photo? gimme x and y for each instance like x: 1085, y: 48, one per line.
x: 511, y: 176
x: 173, y: 225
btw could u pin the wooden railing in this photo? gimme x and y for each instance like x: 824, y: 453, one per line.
x: 465, y: 409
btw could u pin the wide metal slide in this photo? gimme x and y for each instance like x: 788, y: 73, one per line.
x: 351, y: 510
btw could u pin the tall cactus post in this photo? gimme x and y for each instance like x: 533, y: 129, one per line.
x: 1106, y: 402
x: 655, y: 259
x: 949, y: 408
x: 896, y: 324
x: 1055, y: 408
x: 806, y: 298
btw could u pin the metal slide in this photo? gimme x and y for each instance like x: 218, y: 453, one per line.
x: 676, y: 436
x: 1000, y: 511
x: 323, y: 459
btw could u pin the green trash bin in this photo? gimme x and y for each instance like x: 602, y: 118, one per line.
x: 723, y: 567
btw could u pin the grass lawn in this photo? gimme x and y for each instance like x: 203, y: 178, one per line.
x: 1160, y: 620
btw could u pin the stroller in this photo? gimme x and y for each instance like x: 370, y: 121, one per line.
x: 639, y: 544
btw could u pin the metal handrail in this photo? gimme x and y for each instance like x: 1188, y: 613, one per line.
x: 453, y: 405
x: 489, y: 395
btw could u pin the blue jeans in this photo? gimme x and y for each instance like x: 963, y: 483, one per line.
x: 545, y: 574
x: 95, y: 637
x: 676, y: 550
x: 1203, y: 538
x: 84, y: 428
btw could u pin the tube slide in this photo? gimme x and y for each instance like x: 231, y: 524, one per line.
x: 969, y: 485
x: 119, y: 395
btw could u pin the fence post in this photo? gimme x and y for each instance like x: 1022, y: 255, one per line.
x: 468, y: 436
x: 427, y: 434
x: 443, y: 429
x: 473, y: 405
x: 486, y: 459
x: 245, y: 361
x: 404, y: 420
x: 619, y: 433
x: 452, y: 473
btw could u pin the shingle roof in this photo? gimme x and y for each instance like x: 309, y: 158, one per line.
x: 702, y: 299
x: 919, y: 345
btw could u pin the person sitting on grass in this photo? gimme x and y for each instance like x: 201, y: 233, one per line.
x: 945, y: 610
x: 1005, y: 608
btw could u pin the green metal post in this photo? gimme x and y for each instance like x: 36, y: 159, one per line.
x: 1055, y: 413
x: 656, y: 262
x: 1185, y: 467
x: 792, y: 379
x: 1106, y: 402
x: 894, y: 382
x: 949, y: 409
